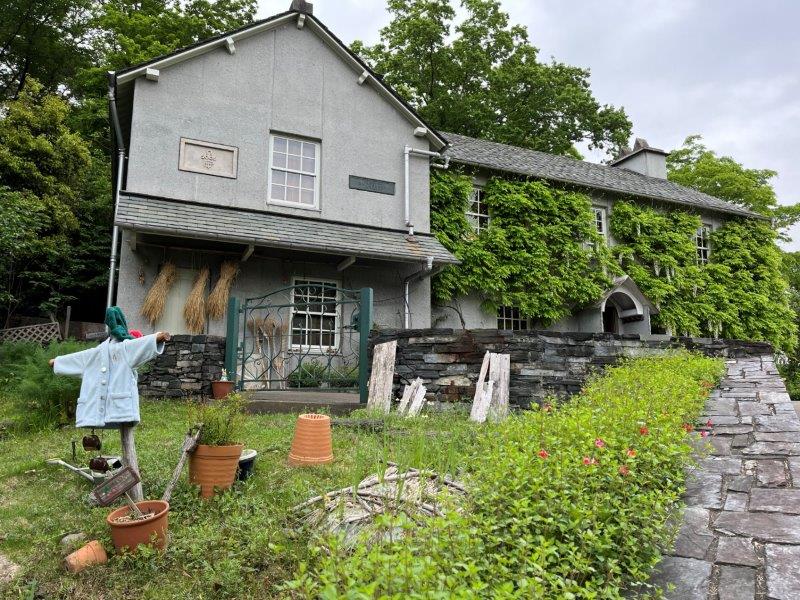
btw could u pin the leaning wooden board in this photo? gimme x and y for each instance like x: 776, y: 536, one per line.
x: 112, y: 488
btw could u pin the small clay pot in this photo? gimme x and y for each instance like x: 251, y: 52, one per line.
x: 90, y: 554
x: 214, y: 467
x: 152, y: 530
x: 220, y: 389
x: 312, y: 443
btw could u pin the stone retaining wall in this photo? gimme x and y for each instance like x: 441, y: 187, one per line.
x: 543, y: 363
x: 186, y: 368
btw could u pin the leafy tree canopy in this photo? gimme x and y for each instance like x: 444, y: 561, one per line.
x: 483, y: 77
x: 695, y: 166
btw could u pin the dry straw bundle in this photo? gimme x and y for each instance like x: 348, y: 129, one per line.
x: 218, y: 298
x: 194, y: 311
x: 156, y: 299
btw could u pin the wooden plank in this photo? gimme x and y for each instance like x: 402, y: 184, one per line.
x: 112, y: 488
x: 481, y: 406
x: 408, y: 394
x: 500, y: 374
x: 189, y: 444
x: 130, y: 459
x: 479, y: 387
x: 380, y: 381
x: 418, y: 402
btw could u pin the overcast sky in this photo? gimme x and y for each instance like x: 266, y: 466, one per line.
x: 726, y: 69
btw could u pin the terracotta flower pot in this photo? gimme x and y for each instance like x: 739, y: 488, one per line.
x: 312, y: 443
x: 214, y: 466
x: 92, y: 553
x: 152, y: 530
x: 220, y: 389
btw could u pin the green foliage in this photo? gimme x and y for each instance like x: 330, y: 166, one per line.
x: 483, y: 77
x: 40, y: 398
x: 740, y: 293
x: 564, y: 503
x: 790, y: 368
x: 541, y: 252
x: 695, y: 166
x: 223, y: 420
x: 313, y: 374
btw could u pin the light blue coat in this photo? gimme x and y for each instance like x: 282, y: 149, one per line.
x: 109, y: 394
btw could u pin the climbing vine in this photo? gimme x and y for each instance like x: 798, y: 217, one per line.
x: 740, y: 293
x: 541, y: 253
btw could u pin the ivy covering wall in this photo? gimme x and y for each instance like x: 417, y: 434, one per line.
x: 543, y: 255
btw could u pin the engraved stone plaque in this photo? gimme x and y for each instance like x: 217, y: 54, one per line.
x: 208, y: 158
x: 367, y: 184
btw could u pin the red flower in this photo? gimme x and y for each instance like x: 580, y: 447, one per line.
x: 624, y: 470
x: 589, y: 461
x: 599, y: 443
x: 709, y: 423
x: 643, y: 431
x: 703, y: 433
x: 688, y: 427
x: 543, y: 453
x: 630, y: 452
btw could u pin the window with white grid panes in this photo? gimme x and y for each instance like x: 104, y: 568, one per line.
x: 600, y: 221
x: 703, y: 243
x: 315, y: 315
x: 478, y: 211
x: 293, y: 172
x: 509, y: 318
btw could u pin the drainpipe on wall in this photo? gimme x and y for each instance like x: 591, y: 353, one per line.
x: 120, y: 147
x: 424, y: 273
x: 408, y: 151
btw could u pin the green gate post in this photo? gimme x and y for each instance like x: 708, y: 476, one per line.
x: 364, y: 325
x: 232, y: 338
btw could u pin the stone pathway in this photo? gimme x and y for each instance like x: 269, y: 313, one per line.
x: 740, y: 533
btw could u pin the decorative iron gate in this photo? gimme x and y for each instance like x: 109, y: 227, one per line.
x: 312, y: 335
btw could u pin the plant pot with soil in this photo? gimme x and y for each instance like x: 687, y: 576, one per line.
x: 222, y: 387
x: 214, y: 461
x: 129, y: 530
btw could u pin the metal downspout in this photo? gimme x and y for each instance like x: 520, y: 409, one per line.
x: 425, y: 272
x: 120, y: 147
x: 407, y: 152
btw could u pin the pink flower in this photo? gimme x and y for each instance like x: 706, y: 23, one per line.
x: 709, y: 423
x: 703, y: 434
x: 589, y: 461
x: 599, y: 443
x: 624, y: 470
x: 643, y: 431
x: 543, y: 453
x: 630, y: 452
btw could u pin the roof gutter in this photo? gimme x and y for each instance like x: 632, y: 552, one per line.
x: 119, y: 145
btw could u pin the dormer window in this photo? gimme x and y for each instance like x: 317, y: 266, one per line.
x: 478, y: 211
x: 293, y: 172
x: 703, y: 243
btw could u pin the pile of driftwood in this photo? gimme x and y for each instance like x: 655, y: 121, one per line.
x: 351, y: 511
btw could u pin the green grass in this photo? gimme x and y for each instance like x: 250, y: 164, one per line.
x: 242, y: 544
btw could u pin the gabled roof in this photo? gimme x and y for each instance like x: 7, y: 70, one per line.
x: 192, y: 220
x: 124, y: 78
x: 503, y: 157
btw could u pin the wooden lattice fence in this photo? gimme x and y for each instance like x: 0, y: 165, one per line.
x: 42, y: 333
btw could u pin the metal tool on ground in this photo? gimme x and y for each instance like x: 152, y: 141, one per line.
x: 189, y: 444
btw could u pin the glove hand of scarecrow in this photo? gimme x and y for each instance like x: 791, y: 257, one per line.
x: 163, y: 336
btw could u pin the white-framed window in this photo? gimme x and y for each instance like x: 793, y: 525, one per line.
x: 293, y: 178
x: 703, y: 243
x: 600, y: 220
x: 509, y: 318
x: 478, y: 211
x: 315, y: 315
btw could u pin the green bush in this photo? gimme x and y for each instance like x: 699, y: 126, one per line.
x: 40, y: 398
x: 317, y: 374
x: 223, y: 420
x: 565, y: 502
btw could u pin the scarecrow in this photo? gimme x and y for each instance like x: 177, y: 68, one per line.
x: 109, y: 396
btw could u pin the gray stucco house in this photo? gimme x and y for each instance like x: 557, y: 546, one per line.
x: 275, y: 147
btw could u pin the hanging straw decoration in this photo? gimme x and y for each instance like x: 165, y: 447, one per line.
x: 156, y: 299
x: 194, y: 311
x: 218, y: 298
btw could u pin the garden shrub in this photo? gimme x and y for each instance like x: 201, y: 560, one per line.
x: 567, y: 501
x: 223, y: 420
x: 40, y: 398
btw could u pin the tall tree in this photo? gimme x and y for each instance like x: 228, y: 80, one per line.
x: 696, y: 166
x: 483, y: 77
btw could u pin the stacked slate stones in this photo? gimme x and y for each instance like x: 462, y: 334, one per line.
x: 186, y: 368
x: 740, y: 533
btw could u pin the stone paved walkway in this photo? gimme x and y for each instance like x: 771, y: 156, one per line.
x: 740, y: 533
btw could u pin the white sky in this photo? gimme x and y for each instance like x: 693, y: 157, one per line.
x: 726, y: 69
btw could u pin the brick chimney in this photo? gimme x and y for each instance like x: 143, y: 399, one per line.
x: 303, y: 7
x: 644, y: 159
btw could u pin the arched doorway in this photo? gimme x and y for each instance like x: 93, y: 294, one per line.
x: 610, y: 318
x: 619, y: 308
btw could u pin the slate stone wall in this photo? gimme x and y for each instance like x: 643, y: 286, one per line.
x: 543, y: 363
x: 186, y: 368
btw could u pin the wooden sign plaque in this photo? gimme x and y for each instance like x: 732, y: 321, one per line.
x: 116, y: 486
